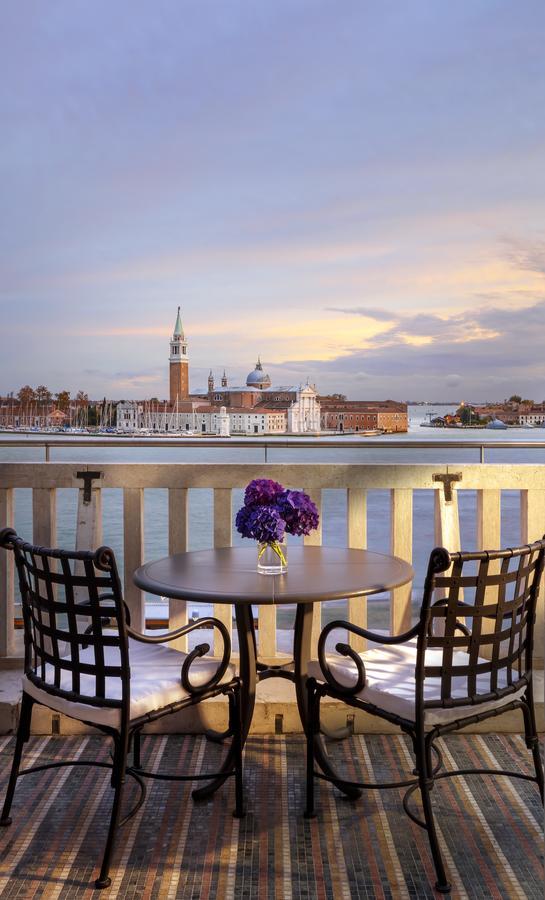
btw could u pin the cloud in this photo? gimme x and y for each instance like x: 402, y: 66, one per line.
x: 488, y: 349
x: 134, y: 382
x: 453, y: 381
x: 526, y: 255
x: 425, y: 328
x: 379, y: 315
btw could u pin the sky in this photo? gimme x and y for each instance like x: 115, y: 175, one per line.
x: 353, y: 191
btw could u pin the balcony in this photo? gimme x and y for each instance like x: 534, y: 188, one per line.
x: 419, y: 505
x: 366, y: 848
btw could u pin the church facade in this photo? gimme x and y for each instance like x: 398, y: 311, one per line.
x: 255, y: 408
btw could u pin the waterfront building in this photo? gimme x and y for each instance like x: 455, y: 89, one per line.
x: 294, y: 409
x: 533, y: 415
x: 16, y: 415
x: 341, y: 415
x: 506, y: 412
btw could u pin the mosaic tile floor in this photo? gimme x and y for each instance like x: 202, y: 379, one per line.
x: 491, y: 829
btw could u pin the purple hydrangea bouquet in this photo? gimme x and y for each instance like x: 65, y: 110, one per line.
x: 269, y: 512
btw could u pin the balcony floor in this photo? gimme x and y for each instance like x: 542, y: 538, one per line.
x: 491, y: 828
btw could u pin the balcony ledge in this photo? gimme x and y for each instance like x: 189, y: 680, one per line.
x: 275, y: 712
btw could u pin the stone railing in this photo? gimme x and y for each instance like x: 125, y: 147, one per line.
x: 446, y: 483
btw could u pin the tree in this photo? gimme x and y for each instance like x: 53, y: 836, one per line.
x: 515, y: 399
x: 467, y: 415
x: 26, y: 395
x: 43, y: 395
x: 82, y: 405
x: 93, y: 417
x: 63, y: 400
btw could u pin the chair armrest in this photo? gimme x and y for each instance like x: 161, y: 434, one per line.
x: 197, y: 652
x: 369, y: 635
x: 347, y: 650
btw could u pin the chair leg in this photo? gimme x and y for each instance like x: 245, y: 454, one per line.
x: 235, y: 725
x: 532, y: 740
x: 118, y: 783
x: 425, y: 781
x: 312, y: 729
x: 23, y: 734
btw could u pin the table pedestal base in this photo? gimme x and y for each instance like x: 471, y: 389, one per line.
x: 251, y: 671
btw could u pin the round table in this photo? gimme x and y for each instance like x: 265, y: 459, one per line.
x: 315, y: 574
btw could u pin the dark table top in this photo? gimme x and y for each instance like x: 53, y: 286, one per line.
x: 230, y: 575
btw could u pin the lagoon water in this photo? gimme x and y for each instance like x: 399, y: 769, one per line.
x: 357, y: 449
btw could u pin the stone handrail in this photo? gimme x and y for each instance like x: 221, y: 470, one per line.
x: 280, y: 442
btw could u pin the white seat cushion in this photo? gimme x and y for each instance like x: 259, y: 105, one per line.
x: 155, y: 682
x: 391, y: 685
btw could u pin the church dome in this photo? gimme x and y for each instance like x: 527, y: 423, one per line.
x: 257, y: 378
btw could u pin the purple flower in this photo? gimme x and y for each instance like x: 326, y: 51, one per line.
x: 262, y: 523
x: 262, y: 492
x: 298, y: 511
x: 269, y: 511
x: 242, y: 518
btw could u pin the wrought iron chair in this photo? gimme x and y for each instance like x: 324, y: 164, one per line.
x: 444, y: 673
x: 83, y: 659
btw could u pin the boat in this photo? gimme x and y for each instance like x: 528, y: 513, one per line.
x: 497, y: 425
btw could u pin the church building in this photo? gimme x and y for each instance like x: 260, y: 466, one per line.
x: 255, y: 408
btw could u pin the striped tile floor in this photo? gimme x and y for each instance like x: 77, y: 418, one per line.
x: 491, y: 829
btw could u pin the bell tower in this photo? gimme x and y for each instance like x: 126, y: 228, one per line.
x: 178, y: 364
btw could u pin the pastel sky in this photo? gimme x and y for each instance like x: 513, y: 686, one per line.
x: 353, y: 190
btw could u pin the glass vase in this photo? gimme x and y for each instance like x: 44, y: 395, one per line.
x: 272, y: 557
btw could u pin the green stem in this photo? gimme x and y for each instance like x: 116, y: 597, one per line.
x: 275, y: 546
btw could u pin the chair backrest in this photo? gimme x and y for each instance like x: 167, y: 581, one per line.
x: 74, y: 622
x: 485, y: 639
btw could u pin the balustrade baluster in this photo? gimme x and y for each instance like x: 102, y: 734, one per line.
x: 314, y: 539
x: 532, y: 527
x: 357, y: 539
x: 447, y: 527
x: 88, y: 531
x: 401, y: 544
x: 133, y: 552
x: 177, y: 543
x: 223, y: 537
x: 267, y: 633
x: 44, y: 516
x: 489, y: 538
x: 44, y: 525
x: 7, y: 582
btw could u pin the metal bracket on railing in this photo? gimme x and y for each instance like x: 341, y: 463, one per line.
x: 447, y: 481
x: 88, y: 478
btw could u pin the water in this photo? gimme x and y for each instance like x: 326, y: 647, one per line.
x: 356, y: 450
